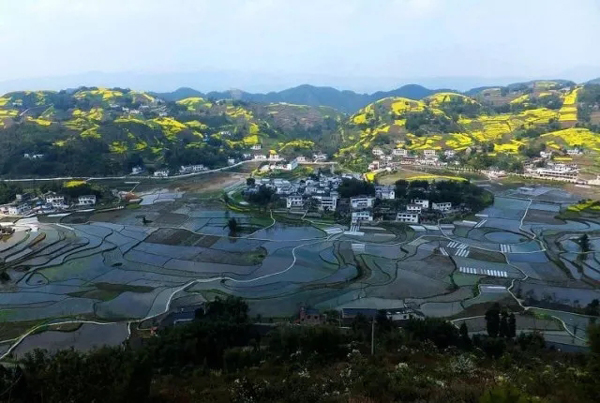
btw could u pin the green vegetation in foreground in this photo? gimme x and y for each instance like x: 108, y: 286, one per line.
x: 220, y: 357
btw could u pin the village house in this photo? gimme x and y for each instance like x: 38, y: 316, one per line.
x: 424, y: 203
x: 546, y: 154
x: 319, y: 157
x: 574, y: 151
x: 294, y: 200
x: 87, y: 200
x: 18, y: 209
x: 260, y: 157
x: 442, y: 206
x: 377, y: 151
x: 256, y: 146
x: 373, y: 165
x: 407, y: 217
x: 361, y: 202
x: 137, y: 170
x: 400, y: 152
x: 385, y: 192
x: 273, y: 156
x: 429, y: 154
x: 363, y: 215
x: 327, y: 203
x: 414, y: 208
x: 230, y: 161
x: 449, y: 153
x: 301, y: 158
x: 186, y: 169
x: 54, y: 199
x: 161, y: 173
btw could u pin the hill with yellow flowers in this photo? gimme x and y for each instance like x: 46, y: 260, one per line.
x: 106, y: 131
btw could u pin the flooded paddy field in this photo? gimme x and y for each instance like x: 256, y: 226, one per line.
x: 105, y: 270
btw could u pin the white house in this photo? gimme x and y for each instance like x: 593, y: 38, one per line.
x: 54, y: 199
x: 257, y: 146
x: 442, y: 206
x: 414, y: 208
x: 362, y: 202
x: 364, y: 215
x: 301, y: 158
x: 161, y: 173
x: 290, y: 166
x: 260, y: 157
x: 407, y: 217
x: 274, y: 157
x: 377, y: 151
x: 294, y: 201
x: 33, y: 156
x: 18, y: 209
x: 449, y: 153
x: 424, y: 203
x: 385, y: 192
x: 429, y: 153
x: 137, y: 170
x: 230, y: 161
x: 574, y: 151
x: 374, y: 165
x: 88, y: 200
x: 545, y: 154
x: 319, y: 157
x: 327, y: 203
x: 400, y: 152
x: 186, y: 169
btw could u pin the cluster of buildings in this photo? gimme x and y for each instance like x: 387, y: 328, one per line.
x: 25, y: 204
x: 400, y: 156
x: 323, y: 195
x: 553, y: 171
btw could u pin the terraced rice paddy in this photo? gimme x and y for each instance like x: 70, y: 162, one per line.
x: 127, y: 265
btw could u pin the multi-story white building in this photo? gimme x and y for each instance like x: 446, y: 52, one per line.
x: 87, y: 200
x: 406, y: 217
x: 361, y: 202
x: 400, y: 152
x: 442, y: 206
x: 54, y: 199
x: 294, y: 201
x: 423, y: 203
x: 429, y: 153
x: 414, y: 208
x: 364, y: 215
x: 327, y: 203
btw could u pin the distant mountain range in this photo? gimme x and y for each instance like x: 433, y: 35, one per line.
x: 344, y: 101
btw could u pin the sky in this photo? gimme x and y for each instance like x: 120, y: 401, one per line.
x: 358, y: 44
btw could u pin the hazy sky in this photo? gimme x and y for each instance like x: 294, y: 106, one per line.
x: 367, y: 39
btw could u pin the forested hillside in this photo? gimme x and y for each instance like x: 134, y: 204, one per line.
x: 99, y: 131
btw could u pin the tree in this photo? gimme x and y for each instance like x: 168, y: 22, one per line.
x: 233, y: 226
x: 512, y: 326
x: 593, y: 332
x: 593, y: 308
x: 465, y: 340
x: 584, y: 243
x: 492, y: 320
x: 250, y: 181
x: 504, y: 330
